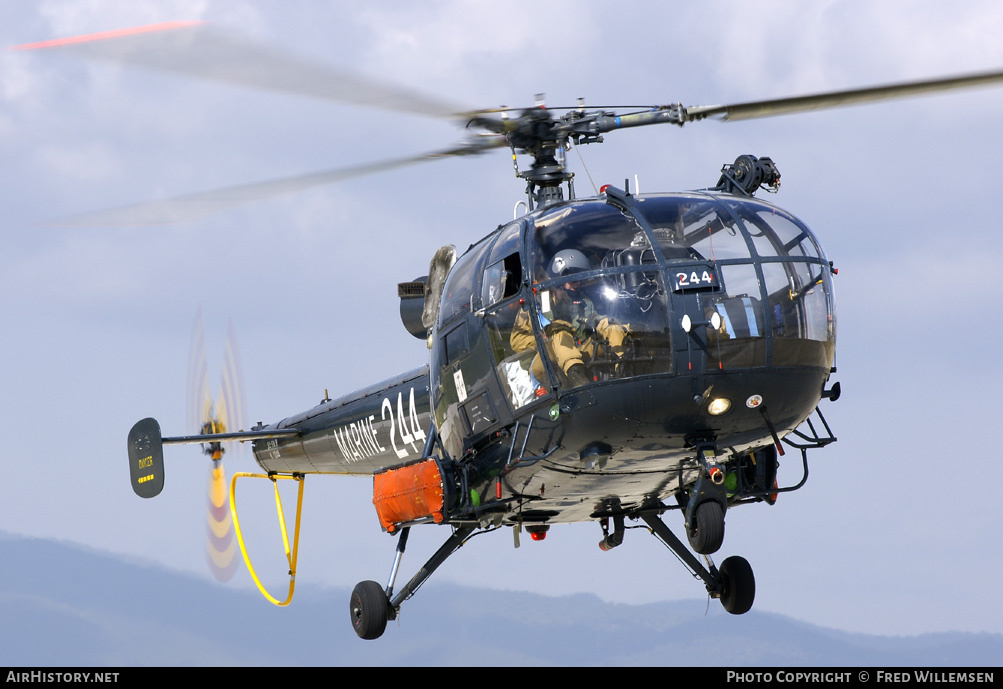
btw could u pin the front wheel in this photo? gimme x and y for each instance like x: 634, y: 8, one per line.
x: 370, y: 610
x: 706, y: 534
x: 739, y: 585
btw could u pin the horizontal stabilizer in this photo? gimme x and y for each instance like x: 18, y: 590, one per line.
x: 146, y: 451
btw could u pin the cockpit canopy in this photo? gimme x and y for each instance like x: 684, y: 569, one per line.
x: 594, y: 290
x: 683, y: 227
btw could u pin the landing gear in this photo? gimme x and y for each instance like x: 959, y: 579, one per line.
x: 706, y: 531
x: 370, y: 610
x: 734, y: 583
x: 739, y: 585
x: 705, y: 503
x: 371, y: 606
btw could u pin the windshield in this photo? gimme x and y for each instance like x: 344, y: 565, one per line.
x: 609, y: 286
x: 775, y: 281
x: 693, y: 228
x: 601, y: 235
x: 605, y: 328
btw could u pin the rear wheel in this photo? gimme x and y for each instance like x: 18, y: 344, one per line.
x: 370, y: 610
x: 706, y: 534
x: 739, y: 585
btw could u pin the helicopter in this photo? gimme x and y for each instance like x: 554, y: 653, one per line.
x: 726, y: 345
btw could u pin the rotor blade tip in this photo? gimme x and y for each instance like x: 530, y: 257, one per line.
x: 104, y: 35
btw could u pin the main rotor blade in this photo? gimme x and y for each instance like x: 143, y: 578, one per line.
x: 190, y: 207
x: 196, y: 49
x: 833, y: 99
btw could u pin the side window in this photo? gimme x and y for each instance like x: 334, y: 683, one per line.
x: 775, y: 233
x: 458, y: 290
x: 456, y: 344
x: 461, y: 291
x: 803, y: 330
x: 501, y: 280
x: 514, y: 349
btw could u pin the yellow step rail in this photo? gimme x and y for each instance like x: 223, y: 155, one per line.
x: 290, y: 556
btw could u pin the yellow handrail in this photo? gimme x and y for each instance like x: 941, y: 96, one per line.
x: 291, y: 558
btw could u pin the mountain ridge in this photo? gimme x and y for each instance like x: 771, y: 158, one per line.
x: 65, y: 605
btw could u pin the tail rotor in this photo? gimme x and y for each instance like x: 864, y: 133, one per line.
x: 208, y: 417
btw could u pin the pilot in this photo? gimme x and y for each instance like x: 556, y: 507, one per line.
x: 573, y: 329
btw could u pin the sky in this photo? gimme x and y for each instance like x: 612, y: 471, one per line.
x: 900, y: 520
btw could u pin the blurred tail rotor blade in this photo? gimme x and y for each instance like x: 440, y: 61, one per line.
x: 220, y: 543
x: 231, y: 404
x: 199, y: 398
x: 230, y: 416
x: 199, y: 50
x: 181, y: 209
x: 206, y: 417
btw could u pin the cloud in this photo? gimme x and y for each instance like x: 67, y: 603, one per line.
x: 69, y: 18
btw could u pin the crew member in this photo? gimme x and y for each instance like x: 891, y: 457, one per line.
x: 573, y: 331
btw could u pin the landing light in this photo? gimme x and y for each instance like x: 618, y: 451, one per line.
x: 718, y: 406
x: 714, y: 322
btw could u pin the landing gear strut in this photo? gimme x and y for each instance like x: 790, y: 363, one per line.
x: 706, y: 503
x: 734, y: 583
x: 371, y: 606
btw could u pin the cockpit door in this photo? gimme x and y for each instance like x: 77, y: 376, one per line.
x: 507, y: 319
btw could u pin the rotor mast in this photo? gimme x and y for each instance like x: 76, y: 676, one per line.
x: 535, y: 132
